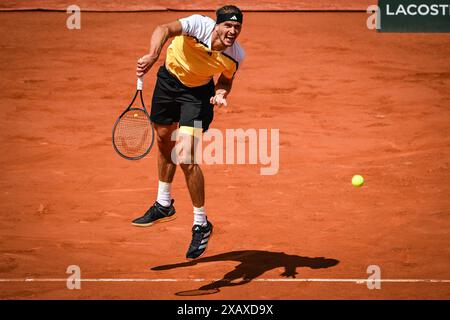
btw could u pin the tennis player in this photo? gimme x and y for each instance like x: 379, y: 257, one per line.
x: 185, y: 93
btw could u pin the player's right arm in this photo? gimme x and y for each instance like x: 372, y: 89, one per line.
x: 160, y: 35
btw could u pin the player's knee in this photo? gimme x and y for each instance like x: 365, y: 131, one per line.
x: 163, y: 140
x: 188, y: 167
x: 164, y: 132
x: 164, y: 145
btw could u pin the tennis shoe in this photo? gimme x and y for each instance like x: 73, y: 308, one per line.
x: 156, y: 214
x: 200, y: 239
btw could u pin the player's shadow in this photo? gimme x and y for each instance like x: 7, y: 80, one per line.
x: 252, y: 264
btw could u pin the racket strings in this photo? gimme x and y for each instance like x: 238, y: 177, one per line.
x: 134, y: 134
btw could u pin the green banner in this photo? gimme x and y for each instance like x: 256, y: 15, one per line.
x: 414, y: 15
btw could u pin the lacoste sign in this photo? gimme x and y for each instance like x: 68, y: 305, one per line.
x: 413, y: 15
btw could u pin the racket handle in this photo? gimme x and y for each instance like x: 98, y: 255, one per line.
x: 140, y: 83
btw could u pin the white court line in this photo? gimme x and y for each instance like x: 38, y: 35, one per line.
x: 358, y: 281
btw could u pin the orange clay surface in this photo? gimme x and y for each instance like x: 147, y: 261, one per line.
x: 347, y: 101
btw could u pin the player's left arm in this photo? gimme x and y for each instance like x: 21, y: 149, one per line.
x: 223, y: 88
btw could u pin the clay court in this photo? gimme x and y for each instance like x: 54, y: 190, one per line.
x: 347, y: 100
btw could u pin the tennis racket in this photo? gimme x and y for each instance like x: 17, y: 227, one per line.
x: 133, y: 135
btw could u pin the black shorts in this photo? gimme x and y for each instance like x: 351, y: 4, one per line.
x: 175, y: 102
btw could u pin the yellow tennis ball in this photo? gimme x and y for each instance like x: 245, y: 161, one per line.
x: 136, y: 115
x: 357, y: 180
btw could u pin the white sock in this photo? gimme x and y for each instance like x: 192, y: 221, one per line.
x: 200, y: 216
x: 164, y: 196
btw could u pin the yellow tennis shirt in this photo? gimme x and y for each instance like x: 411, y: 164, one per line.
x: 190, y: 58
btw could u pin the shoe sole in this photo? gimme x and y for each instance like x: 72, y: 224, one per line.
x: 154, y: 222
x: 206, y: 249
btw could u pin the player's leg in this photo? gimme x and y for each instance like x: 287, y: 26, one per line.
x: 192, y: 172
x: 195, y: 117
x: 165, y: 114
x: 166, y: 167
x: 202, y: 228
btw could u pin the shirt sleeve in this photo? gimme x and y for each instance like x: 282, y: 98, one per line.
x: 194, y: 25
x: 237, y: 56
